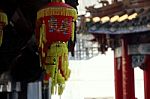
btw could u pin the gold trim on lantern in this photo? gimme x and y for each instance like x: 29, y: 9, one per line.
x: 57, y: 11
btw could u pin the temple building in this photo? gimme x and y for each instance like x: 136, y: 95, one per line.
x: 124, y: 26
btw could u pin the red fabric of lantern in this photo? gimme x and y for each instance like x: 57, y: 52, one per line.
x: 58, y: 18
x: 58, y: 28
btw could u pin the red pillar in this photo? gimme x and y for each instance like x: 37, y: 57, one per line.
x: 147, y: 77
x: 118, y: 78
x: 127, y: 73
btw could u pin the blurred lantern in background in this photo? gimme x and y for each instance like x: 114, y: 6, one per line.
x: 55, y: 27
x: 3, y: 22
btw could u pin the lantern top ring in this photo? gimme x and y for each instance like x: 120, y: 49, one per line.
x: 57, y: 8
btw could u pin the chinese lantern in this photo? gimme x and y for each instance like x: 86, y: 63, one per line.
x: 56, y: 23
x: 3, y: 22
x: 55, y: 26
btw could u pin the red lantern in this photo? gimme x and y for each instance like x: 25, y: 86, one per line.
x: 54, y: 23
x: 55, y: 26
x: 57, y: 18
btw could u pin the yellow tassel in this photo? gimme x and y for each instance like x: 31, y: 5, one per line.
x: 65, y: 51
x: 55, y: 77
x: 68, y: 74
x: 61, y: 88
x: 56, y: 50
x: 59, y: 48
x: 41, y: 36
x: 50, y: 69
x: 3, y: 22
x: 43, y: 33
x: 52, y: 65
x: 60, y: 79
x: 72, y: 35
x: 53, y: 50
x: 52, y: 88
x: 42, y: 39
x: 1, y: 37
x: 3, y: 18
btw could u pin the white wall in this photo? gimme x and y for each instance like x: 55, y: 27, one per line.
x: 95, y: 78
x: 90, y: 78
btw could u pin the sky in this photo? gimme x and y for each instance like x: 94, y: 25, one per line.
x: 83, y: 3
